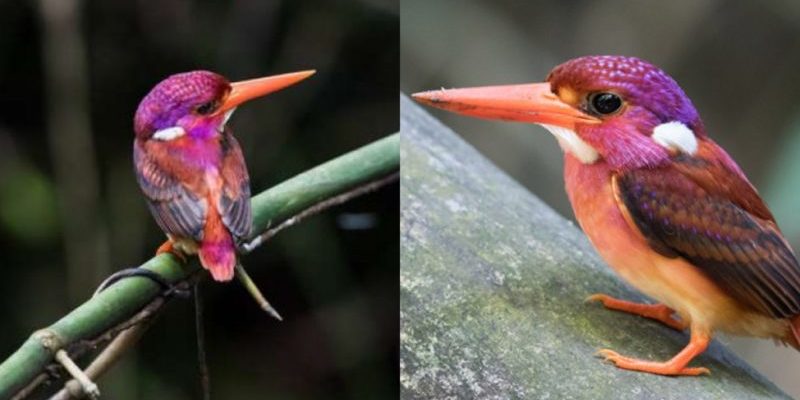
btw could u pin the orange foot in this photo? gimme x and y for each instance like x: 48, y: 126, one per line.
x: 658, y: 312
x: 168, y: 247
x: 674, y: 367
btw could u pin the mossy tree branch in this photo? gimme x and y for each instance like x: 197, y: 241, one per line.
x: 492, y: 289
x: 125, y: 298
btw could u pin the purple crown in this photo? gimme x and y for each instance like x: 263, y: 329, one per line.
x: 635, y: 80
x: 174, y: 97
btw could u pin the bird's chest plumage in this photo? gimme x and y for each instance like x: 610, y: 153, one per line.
x: 591, y: 195
x: 195, y: 162
x: 196, y: 155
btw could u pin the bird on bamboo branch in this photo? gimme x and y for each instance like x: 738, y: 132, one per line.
x: 665, y: 206
x: 191, y: 168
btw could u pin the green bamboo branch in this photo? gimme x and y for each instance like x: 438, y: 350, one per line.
x: 271, y: 208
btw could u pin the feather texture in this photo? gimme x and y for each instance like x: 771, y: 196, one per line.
x: 178, y: 211
x: 700, y: 209
x: 234, y: 200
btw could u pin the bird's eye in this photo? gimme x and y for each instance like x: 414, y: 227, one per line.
x: 605, y: 103
x: 207, y: 108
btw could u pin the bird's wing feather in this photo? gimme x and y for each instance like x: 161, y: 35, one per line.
x: 175, y: 208
x: 234, y: 202
x: 713, y: 170
x: 682, y: 212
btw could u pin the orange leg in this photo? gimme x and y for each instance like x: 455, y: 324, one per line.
x: 676, y: 366
x: 168, y: 247
x: 658, y: 312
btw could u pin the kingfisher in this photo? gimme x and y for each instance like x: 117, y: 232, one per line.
x: 665, y: 206
x: 191, y: 168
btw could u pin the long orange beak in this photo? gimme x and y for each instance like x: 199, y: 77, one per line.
x: 532, y: 103
x: 243, y: 91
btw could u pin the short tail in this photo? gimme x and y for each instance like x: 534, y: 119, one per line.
x: 217, y: 251
x: 219, y: 258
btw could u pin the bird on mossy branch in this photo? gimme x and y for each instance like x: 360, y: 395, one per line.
x: 666, y: 207
x: 191, y: 168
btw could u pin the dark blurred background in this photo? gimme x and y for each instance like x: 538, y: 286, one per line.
x: 737, y: 61
x: 71, y: 75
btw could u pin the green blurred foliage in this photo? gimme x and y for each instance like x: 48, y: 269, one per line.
x: 28, y: 205
x: 783, y: 183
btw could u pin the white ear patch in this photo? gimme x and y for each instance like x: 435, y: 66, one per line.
x: 572, y: 143
x: 167, y: 134
x: 676, y: 136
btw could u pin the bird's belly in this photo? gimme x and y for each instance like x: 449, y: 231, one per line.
x: 672, y: 281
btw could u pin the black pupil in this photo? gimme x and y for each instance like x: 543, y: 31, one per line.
x: 206, y: 108
x: 606, y: 103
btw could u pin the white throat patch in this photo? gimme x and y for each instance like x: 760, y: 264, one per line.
x: 675, y: 136
x: 221, y: 126
x: 167, y: 134
x: 572, y: 143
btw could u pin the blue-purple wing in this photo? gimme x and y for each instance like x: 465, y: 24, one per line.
x: 176, y: 209
x: 744, y: 254
x: 234, y: 202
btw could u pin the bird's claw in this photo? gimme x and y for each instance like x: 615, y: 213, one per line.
x: 658, y: 312
x: 608, y: 355
x: 697, y: 371
x: 633, y: 364
x: 596, y: 297
x: 168, y: 247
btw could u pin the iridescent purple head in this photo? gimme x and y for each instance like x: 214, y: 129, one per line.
x: 644, y: 115
x: 187, y: 100
x: 645, y: 90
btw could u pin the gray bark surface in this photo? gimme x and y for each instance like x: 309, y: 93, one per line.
x: 492, y: 292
